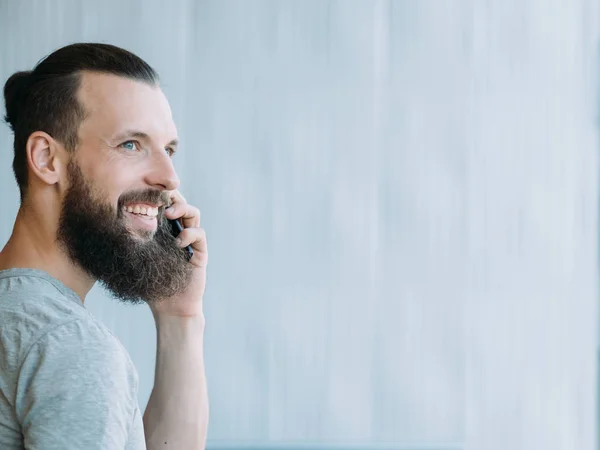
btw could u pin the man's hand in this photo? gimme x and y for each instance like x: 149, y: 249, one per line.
x: 177, y: 413
x: 189, y: 303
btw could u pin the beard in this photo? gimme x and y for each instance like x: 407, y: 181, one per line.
x: 131, y: 268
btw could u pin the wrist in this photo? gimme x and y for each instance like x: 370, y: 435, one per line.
x: 191, y: 323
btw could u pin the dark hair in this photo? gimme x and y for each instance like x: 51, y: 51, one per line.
x: 45, y: 98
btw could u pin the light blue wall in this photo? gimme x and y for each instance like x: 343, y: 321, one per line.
x: 401, y: 205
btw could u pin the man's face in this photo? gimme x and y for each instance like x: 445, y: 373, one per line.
x: 112, y: 220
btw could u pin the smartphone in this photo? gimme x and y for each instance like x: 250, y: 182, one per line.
x: 177, y: 228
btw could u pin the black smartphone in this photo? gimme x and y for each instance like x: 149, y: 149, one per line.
x: 177, y: 228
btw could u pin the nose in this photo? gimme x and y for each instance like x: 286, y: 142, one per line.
x: 162, y: 174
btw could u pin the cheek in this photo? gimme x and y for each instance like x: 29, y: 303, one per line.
x: 106, y: 172
x: 109, y: 185
x: 104, y: 190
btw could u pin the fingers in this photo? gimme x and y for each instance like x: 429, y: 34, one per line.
x: 177, y: 197
x: 192, y: 234
x: 179, y: 209
x: 196, y: 237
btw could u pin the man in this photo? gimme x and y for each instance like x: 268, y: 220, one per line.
x: 93, y: 142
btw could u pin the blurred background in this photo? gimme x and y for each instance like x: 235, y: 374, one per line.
x: 401, y: 200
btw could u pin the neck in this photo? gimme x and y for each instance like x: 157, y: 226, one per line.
x: 33, y: 245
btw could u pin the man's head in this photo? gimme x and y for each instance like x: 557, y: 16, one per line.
x: 94, y: 137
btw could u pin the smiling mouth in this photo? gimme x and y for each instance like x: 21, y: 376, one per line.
x: 144, y: 211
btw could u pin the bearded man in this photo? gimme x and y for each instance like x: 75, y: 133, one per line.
x: 93, y: 144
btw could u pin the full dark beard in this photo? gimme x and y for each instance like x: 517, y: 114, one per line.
x: 132, y: 269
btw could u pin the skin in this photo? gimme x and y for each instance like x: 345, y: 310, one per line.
x: 114, y: 163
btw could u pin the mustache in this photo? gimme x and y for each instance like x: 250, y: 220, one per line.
x: 153, y: 196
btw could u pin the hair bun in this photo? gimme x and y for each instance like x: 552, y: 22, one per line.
x: 13, y: 94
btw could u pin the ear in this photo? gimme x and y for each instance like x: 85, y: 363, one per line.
x: 44, y: 157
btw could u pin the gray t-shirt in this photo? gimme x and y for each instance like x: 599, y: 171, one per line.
x: 66, y: 382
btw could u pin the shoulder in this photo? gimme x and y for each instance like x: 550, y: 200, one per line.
x: 31, y: 306
x: 77, y: 359
x: 83, y: 348
x: 34, y: 295
x: 68, y: 379
x: 46, y: 326
x: 76, y: 385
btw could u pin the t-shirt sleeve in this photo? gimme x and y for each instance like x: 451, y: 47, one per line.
x: 76, y: 390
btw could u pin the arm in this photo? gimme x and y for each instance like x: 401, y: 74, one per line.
x: 177, y: 412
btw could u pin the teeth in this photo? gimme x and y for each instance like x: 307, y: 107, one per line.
x: 142, y: 210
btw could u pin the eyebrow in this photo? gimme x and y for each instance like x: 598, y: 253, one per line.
x: 140, y: 135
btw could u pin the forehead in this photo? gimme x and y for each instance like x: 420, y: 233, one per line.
x: 114, y: 103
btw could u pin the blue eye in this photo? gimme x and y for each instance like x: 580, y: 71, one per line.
x: 130, y: 145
